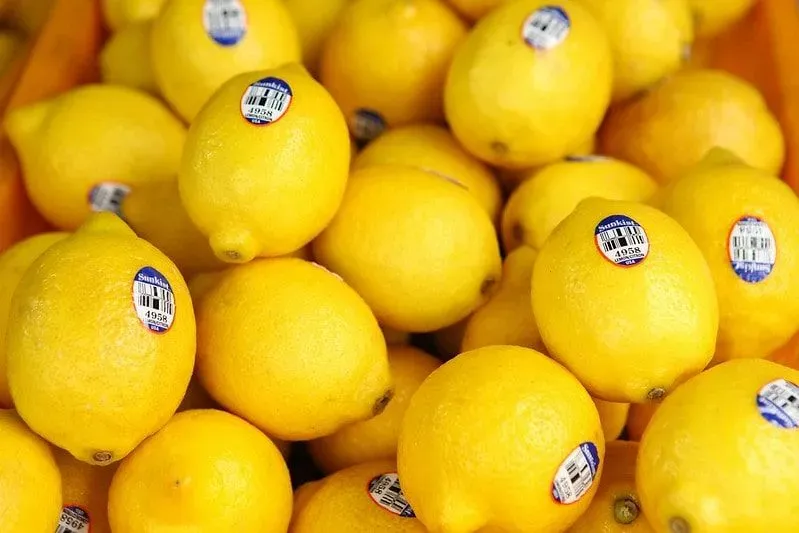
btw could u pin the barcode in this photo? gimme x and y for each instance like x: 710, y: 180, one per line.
x: 753, y: 249
x: 580, y: 475
x: 108, y: 197
x: 547, y: 27
x: 784, y: 395
x: 267, y: 98
x: 385, y: 491
x: 394, y: 498
x: 73, y: 520
x: 155, y: 298
x: 546, y: 22
x: 621, y: 237
x: 225, y: 17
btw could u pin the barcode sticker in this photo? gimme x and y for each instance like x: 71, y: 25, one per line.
x: 546, y: 27
x: 778, y: 403
x: 621, y: 240
x: 386, y: 492
x: 576, y: 474
x: 73, y: 519
x: 266, y: 101
x: 225, y: 21
x: 752, y: 249
x: 108, y: 196
x: 367, y: 125
x: 154, y: 300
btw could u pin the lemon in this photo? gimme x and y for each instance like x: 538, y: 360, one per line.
x: 638, y: 419
x: 265, y: 165
x: 747, y: 225
x: 84, y: 490
x: 155, y: 212
x: 420, y: 249
x: 198, y: 45
x: 475, y: 9
x: 447, y: 341
x: 671, y: 128
x: 434, y: 149
x: 385, y: 62
x: 121, y: 13
x: 649, y: 40
x: 30, y: 483
x: 624, y: 299
x: 530, y: 84
x: 488, y: 440
x: 302, y: 495
x: 125, y: 58
x: 83, y: 150
x: 376, y: 439
x: 507, y: 317
x: 314, y: 21
x: 291, y: 348
x: 714, y: 16
x: 541, y: 202
x: 361, y: 499
x: 613, y: 417
x: 616, y: 508
x: 718, y: 453
x: 14, y: 262
x: 101, y: 341
x: 205, y: 471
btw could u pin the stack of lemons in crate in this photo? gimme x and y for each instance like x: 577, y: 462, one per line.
x: 452, y: 266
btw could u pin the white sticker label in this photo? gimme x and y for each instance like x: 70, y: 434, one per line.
x: 225, y: 21
x: 778, y: 403
x: 266, y: 101
x: 386, y: 492
x: 621, y: 240
x: 546, y: 27
x: 576, y: 474
x: 154, y: 300
x: 73, y: 519
x: 108, y: 196
x: 367, y: 125
x: 752, y: 249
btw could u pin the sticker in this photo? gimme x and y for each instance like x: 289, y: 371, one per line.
x: 576, y: 474
x: 586, y: 158
x: 621, y: 240
x: 225, y: 21
x: 386, y: 492
x: 266, y: 101
x: 778, y: 403
x: 367, y: 125
x: 546, y: 27
x: 74, y: 519
x: 108, y: 196
x: 752, y: 249
x: 154, y: 300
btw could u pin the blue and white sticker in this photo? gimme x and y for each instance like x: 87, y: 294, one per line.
x: 73, y: 519
x: 154, y: 300
x: 108, y: 196
x: 367, y: 125
x: 225, y: 21
x: 576, y: 474
x: 778, y: 403
x: 386, y: 492
x: 546, y: 27
x: 621, y: 240
x: 752, y: 249
x: 266, y: 101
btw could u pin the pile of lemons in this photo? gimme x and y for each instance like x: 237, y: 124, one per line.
x: 272, y: 213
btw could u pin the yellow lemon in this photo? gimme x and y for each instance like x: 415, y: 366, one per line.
x: 530, y: 84
x: 624, y: 299
x: 376, y: 439
x: 385, y: 62
x: 84, y: 490
x: 361, y: 499
x: 507, y: 318
x: 125, y: 58
x: 420, y: 249
x: 112, y: 138
x: 650, y: 40
x: 491, y: 440
x: 718, y: 453
x: 541, y: 202
x: 121, y: 13
x: 747, y: 225
x: 30, y: 484
x: 101, y: 341
x: 291, y: 348
x: 434, y: 149
x: 613, y: 417
x: 616, y: 508
x: 314, y: 21
x: 205, y: 471
x: 265, y: 165
x: 14, y: 262
x: 714, y: 16
x: 671, y: 128
x: 638, y: 419
x: 198, y: 45
x: 302, y: 495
